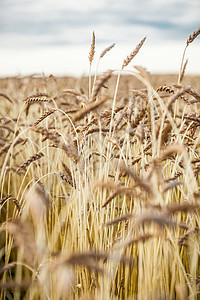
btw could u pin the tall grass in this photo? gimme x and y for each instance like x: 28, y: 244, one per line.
x: 100, y: 190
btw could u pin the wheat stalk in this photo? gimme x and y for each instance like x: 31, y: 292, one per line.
x: 99, y: 83
x: 183, y: 70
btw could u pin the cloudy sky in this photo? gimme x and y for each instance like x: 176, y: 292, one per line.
x: 54, y: 36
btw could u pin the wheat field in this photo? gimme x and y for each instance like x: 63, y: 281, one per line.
x: 100, y: 184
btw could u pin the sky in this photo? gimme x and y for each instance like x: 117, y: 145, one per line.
x: 54, y: 36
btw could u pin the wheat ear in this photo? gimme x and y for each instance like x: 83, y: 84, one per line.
x: 29, y: 161
x: 91, y: 57
x: 44, y: 116
x: 191, y: 38
x: 133, y: 53
x: 106, y: 50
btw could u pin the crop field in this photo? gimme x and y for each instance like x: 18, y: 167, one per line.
x: 99, y: 184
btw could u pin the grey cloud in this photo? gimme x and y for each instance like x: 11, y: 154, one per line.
x: 175, y: 19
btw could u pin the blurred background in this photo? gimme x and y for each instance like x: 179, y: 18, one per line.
x: 54, y: 36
